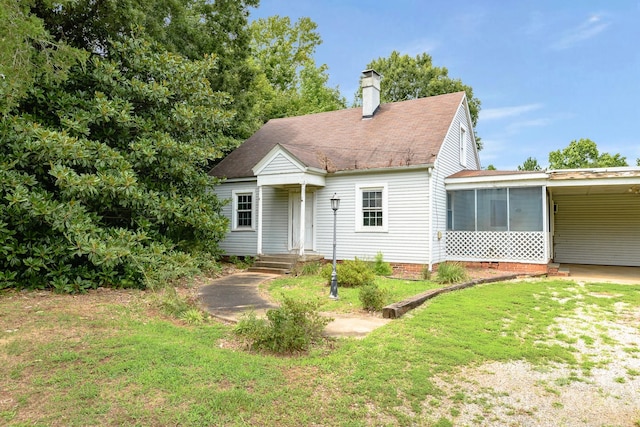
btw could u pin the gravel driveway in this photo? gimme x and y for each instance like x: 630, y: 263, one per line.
x: 601, y: 389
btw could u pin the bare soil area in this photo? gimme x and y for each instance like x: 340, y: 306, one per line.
x: 604, y: 390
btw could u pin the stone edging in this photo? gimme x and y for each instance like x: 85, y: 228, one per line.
x: 397, y: 309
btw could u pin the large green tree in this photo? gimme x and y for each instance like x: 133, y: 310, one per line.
x: 583, y: 153
x: 105, y: 172
x: 289, y: 82
x: 406, y: 77
x: 191, y: 28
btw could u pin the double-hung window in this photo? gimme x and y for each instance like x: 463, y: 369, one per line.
x: 243, y: 208
x: 371, y: 212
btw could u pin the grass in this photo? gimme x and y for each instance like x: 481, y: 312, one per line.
x: 314, y: 287
x: 105, y: 359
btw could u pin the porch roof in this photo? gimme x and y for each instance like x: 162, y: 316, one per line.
x: 566, y: 181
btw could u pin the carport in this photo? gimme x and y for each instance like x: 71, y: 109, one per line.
x: 595, y: 216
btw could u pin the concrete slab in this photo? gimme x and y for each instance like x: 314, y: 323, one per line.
x: 603, y: 273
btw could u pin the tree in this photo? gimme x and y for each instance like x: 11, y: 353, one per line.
x: 491, y: 168
x: 583, y: 154
x: 105, y: 173
x: 638, y: 162
x: 28, y: 54
x: 191, y: 28
x: 531, y: 164
x: 289, y: 83
x: 406, y: 77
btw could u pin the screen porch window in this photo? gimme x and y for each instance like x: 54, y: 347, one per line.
x: 497, y: 209
x: 372, y: 213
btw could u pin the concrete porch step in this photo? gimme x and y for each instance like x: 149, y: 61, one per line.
x: 281, y: 263
x: 268, y: 270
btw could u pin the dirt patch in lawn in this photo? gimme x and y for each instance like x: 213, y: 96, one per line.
x: 600, y: 389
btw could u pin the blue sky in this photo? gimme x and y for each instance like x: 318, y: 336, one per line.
x: 547, y: 71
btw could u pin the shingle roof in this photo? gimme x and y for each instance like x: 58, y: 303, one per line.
x: 399, y: 134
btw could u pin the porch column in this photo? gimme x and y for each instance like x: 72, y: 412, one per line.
x: 303, y: 193
x: 545, y: 223
x: 259, y: 249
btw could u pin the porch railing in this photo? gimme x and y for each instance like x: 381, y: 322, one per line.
x: 512, y: 246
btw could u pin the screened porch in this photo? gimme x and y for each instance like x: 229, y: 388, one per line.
x: 497, y: 225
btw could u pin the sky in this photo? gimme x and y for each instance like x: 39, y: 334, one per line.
x: 546, y: 71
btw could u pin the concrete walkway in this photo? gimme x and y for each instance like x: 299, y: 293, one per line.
x: 228, y: 297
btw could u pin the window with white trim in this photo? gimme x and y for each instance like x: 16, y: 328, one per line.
x: 371, y: 208
x: 243, y: 210
x: 463, y: 146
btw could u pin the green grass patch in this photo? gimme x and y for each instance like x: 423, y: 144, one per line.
x: 127, y: 364
x: 315, y: 287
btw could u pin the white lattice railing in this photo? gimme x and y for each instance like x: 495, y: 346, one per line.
x: 496, y: 246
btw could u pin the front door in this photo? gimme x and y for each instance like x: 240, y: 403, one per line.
x: 294, y: 221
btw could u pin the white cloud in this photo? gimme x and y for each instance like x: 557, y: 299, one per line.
x: 504, y: 112
x: 420, y: 46
x: 590, y: 28
x: 517, y: 126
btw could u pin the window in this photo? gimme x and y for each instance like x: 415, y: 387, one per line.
x: 496, y: 209
x: 243, y: 210
x: 371, y: 212
x: 463, y: 146
x: 462, y: 210
x: 372, y: 208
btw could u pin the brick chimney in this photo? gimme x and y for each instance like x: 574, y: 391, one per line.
x: 370, y: 93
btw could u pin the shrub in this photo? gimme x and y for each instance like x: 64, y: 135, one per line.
x: 309, y: 269
x: 171, y: 303
x: 380, y: 267
x: 241, y: 263
x: 426, y: 273
x: 193, y: 316
x: 372, y: 297
x: 451, y: 272
x: 295, y: 326
x: 351, y: 273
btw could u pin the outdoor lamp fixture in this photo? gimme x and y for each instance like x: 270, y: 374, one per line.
x: 335, y: 204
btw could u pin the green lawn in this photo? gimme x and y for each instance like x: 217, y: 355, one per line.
x: 314, y: 287
x: 101, y: 359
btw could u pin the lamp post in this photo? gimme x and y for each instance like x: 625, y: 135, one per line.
x: 335, y: 204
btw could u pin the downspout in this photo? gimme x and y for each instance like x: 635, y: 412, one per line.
x: 430, y: 177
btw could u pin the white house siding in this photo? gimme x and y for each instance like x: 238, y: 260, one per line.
x: 448, y: 163
x: 242, y: 242
x: 406, y: 239
x: 275, y: 220
x: 280, y: 165
x: 597, y: 229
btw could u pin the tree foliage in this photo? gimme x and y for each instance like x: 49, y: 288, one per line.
x: 106, y: 171
x: 406, y: 77
x: 289, y: 82
x: 583, y: 154
x: 531, y: 164
x: 109, y: 130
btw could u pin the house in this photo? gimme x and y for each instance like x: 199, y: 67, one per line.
x: 386, y: 162
x: 409, y: 180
